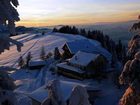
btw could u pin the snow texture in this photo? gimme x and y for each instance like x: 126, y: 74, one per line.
x: 29, y: 82
x: 87, y: 45
x: 8, y: 95
x: 79, y: 96
x: 83, y: 58
x: 37, y: 63
x: 33, y: 42
x: 23, y: 99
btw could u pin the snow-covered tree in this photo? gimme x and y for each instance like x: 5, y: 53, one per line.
x: 42, y: 53
x: 8, y: 17
x: 21, y: 62
x: 131, y: 76
x: 57, y: 54
x: 7, y: 97
x: 43, y: 33
x: 49, y: 55
x: 131, y: 73
x: 136, y: 25
x: 28, y: 58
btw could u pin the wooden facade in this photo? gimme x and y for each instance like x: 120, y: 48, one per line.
x: 89, y: 70
x: 36, y: 65
x: 70, y: 73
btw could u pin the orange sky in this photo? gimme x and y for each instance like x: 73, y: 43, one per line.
x: 52, y: 12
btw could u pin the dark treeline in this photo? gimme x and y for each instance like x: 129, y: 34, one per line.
x: 118, y: 50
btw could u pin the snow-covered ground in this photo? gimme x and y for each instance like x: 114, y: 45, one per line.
x: 34, y: 42
x: 30, y: 81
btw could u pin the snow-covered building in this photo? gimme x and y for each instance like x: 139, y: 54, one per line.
x: 70, y: 71
x: 36, y: 64
x: 72, y: 47
x: 82, y: 65
x: 64, y: 90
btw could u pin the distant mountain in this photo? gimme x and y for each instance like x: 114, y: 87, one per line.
x: 116, y: 30
x: 117, y: 23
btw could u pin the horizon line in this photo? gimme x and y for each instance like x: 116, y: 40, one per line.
x: 96, y: 23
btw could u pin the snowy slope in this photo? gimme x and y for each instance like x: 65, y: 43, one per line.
x: 33, y: 81
x: 33, y: 43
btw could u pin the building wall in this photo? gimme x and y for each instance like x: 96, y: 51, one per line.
x: 34, y: 102
x: 36, y: 67
x: 77, y: 66
x: 70, y: 74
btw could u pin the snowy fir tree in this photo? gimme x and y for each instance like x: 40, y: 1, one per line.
x: 28, y: 58
x: 131, y: 73
x: 57, y: 54
x: 43, y: 33
x: 136, y: 26
x: 49, y: 55
x: 42, y: 53
x: 8, y: 17
x: 21, y: 62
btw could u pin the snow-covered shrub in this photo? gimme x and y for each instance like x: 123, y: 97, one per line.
x: 42, y: 53
x: 57, y: 54
x: 21, y: 62
x: 28, y: 58
x: 6, y: 82
x: 49, y: 55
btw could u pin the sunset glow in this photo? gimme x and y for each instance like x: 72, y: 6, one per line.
x: 54, y: 12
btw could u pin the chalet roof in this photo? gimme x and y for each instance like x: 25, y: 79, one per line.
x: 37, y: 63
x: 83, y: 58
x: 88, y: 46
x: 82, y: 45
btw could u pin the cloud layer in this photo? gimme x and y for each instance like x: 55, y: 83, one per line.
x: 53, y: 12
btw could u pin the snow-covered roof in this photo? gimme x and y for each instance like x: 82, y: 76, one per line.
x: 82, y: 45
x: 68, y: 67
x: 83, y: 58
x: 40, y: 94
x: 86, y: 45
x: 66, y: 87
x: 37, y: 63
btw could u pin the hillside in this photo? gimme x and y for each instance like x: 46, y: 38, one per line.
x: 32, y: 82
x: 33, y: 43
